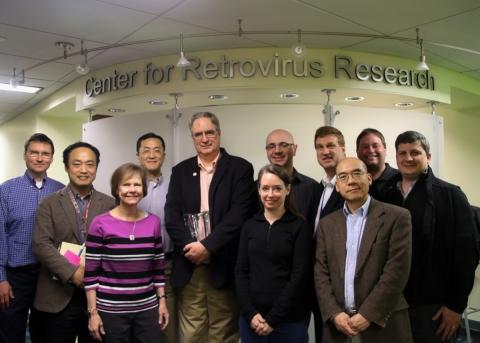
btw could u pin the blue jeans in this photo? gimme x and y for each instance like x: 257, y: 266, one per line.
x: 283, y: 333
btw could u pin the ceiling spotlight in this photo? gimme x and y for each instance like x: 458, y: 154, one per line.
x: 218, y: 97
x: 116, y: 110
x: 422, y: 65
x: 17, y: 80
x: 157, y: 102
x: 299, y: 49
x: 182, y: 62
x: 83, y: 68
x: 404, y: 104
x: 289, y: 95
x: 354, y: 98
x: 66, y: 47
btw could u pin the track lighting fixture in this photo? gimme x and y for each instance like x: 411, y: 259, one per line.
x: 182, y: 62
x: 299, y: 49
x: 17, y: 84
x: 66, y: 46
x: 83, y: 68
x: 17, y: 80
x: 422, y: 65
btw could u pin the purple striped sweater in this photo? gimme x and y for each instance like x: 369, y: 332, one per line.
x: 125, y: 273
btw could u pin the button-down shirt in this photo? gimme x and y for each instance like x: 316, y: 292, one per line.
x: 154, y: 203
x: 81, y: 210
x: 206, y: 176
x: 328, y: 187
x: 355, y: 225
x: 19, y: 198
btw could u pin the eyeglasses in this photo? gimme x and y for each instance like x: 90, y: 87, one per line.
x: 36, y: 154
x: 281, y: 145
x: 356, y: 175
x: 209, y: 134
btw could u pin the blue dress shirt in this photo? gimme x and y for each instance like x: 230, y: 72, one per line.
x: 19, y: 198
x: 154, y: 203
x: 355, y: 225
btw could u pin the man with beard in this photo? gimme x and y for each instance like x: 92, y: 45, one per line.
x: 371, y: 150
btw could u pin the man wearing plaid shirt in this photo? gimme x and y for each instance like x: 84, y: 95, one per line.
x: 19, y: 198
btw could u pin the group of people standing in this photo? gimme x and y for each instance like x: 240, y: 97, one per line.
x: 377, y: 254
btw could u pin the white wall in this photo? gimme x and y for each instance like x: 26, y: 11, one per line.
x: 244, y: 129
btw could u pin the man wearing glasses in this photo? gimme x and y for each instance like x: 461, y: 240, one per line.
x: 151, y: 154
x: 280, y: 149
x: 209, y: 197
x: 362, y: 262
x: 19, y: 268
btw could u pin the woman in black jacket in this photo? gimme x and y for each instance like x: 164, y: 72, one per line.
x: 274, y: 266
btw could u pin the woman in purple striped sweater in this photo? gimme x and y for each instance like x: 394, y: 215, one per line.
x: 124, y: 277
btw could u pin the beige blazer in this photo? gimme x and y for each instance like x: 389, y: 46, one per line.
x: 383, y: 265
x: 56, y: 221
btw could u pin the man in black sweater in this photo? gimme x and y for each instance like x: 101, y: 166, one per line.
x: 444, y: 250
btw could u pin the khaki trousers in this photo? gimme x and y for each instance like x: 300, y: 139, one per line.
x: 206, y: 314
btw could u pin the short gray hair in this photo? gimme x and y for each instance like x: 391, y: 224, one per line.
x: 208, y: 115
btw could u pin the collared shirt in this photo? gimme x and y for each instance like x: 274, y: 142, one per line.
x: 206, y: 176
x: 19, y: 198
x: 154, y: 203
x: 328, y: 187
x: 83, y: 204
x: 400, y: 189
x: 355, y: 226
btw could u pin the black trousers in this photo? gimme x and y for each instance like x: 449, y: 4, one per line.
x: 13, y: 320
x: 70, y: 323
x: 423, y: 327
x: 138, y: 327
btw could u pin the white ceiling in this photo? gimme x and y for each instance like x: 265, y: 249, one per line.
x: 31, y: 27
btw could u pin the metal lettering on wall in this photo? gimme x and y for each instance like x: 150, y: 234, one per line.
x: 274, y: 67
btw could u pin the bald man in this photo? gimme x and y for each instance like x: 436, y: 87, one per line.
x: 281, y: 149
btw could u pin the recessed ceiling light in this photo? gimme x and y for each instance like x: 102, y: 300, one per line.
x: 404, y: 104
x: 116, y: 110
x: 217, y: 97
x: 157, y: 102
x: 289, y: 95
x: 354, y: 98
x: 19, y: 88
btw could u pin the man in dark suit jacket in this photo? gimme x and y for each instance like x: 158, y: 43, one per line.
x: 64, y: 216
x: 329, y: 145
x: 221, y: 185
x: 362, y: 263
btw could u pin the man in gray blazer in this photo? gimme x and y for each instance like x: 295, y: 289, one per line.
x: 65, y: 216
x: 362, y: 263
